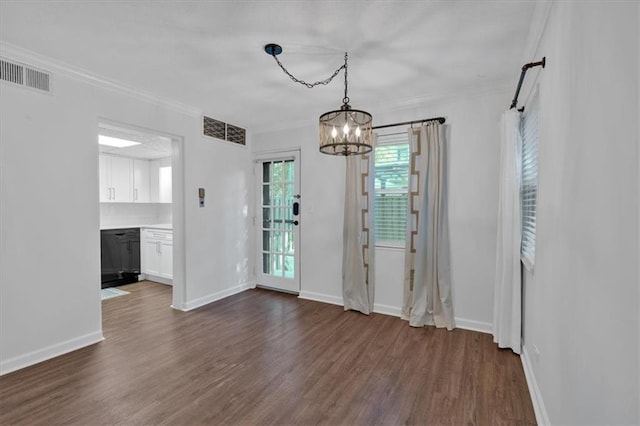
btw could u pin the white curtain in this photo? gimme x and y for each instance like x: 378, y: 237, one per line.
x: 427, y: 278
x: 358, y: 245
x: 507, y: 315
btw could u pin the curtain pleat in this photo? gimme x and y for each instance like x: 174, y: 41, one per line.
x: 507, y: 305
x: 427, y: 277
x: 358, y: 238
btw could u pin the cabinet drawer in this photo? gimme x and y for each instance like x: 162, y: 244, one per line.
x: 156, y: 234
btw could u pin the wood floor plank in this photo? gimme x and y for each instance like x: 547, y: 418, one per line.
x: 261, y: 357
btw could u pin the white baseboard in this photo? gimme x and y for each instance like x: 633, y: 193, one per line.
x: 201, y: 301
x: 39, y: 355
x: 542, y: 418
x: 156, y: 279
x: 394, y: 311
x: 335, y: 300
x: 473, y: 325
x: 320, y: 297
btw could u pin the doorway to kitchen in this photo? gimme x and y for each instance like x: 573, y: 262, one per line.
x: 140, y: 175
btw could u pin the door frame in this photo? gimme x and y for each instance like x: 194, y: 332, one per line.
x: 177, y: 205
x: 257, y: 160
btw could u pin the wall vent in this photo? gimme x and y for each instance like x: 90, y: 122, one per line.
x: 24, y: 75
x: 220, y: 130
x: 213, y: 128
x: 12, y: 73
x: 236, y: 134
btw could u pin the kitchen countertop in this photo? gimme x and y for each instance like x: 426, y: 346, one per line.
x: 138, y: 225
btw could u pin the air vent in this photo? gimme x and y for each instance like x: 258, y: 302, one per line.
x: 213, y: 128
x: 220, y: 130
x: 37, y: 79
x: 24, y: 75
x: 236, y: 134
x: 12, y: 73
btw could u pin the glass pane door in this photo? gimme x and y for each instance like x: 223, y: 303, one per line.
x: 278, y: 224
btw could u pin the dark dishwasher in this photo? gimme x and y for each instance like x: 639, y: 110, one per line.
x: 119, y: 256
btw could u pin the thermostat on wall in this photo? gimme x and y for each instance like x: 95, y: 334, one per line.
x: 201, y: 196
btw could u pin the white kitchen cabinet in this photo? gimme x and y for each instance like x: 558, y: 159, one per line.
x: 166, y: 259
x: 116, y: 179
x: 157, y: 254
x: 141, y: 193
x: 124, y: 180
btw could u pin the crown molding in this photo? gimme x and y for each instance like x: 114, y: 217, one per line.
x: 19, y: 54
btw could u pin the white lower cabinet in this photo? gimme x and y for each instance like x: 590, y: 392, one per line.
x: 157, y: 254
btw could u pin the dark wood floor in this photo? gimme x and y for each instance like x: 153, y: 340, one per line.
x: 262, y: 357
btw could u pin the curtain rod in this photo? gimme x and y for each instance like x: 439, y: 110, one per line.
x: 525, y: 68
x: 440, y: 120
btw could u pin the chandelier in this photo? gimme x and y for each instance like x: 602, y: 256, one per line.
x: 345, y: 131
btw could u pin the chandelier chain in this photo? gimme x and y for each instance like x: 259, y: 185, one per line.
x: 323, y: 82
x: 346, y: 98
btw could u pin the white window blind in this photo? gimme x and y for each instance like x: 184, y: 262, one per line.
x: 529, y: 188
x: 391, y: 185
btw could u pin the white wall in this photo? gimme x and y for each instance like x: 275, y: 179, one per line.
x: 322, y: 204
x: 219, y: 257
x: 473, y: 131
x: 50, y: 272
x: 581, y: 302
x: 472, y: 123
x: 50, y: 249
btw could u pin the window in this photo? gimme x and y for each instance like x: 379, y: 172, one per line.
x: 529, y: 188
x: 391, y: 185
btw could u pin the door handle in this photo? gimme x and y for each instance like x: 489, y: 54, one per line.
x: 296, y: 208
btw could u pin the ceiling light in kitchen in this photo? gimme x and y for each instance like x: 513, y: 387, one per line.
x: 116, y: 142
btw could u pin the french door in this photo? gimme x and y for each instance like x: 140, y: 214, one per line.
x: 278, y: 221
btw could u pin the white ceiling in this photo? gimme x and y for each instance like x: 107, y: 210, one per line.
x: 209, y: 54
